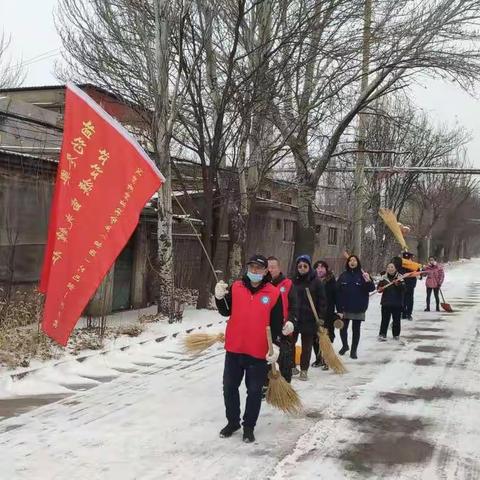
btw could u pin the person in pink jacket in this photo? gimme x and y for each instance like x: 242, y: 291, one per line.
x: 435, y: 276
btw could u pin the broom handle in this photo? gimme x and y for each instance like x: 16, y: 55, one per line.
x: 201, y: 244
x: 270, y: 347
x: 407, y: 275
x: 441, y: 293
x: 320, y: 323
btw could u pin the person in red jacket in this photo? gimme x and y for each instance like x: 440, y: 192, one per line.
x: 252, y: 304
x: 287, y: 347
x: 435, y: 277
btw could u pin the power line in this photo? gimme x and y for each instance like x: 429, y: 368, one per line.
x: 38, y: 58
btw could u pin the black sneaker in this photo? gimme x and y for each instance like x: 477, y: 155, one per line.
x: 325, y: 367
x: 343, y: 350
x: 427, y: 309
x: 228, y: 430
x: 248, y: 436
x: 353, y: 355
x: 316, y: 363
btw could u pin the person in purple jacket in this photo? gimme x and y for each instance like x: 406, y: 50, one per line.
x: 435, y: 277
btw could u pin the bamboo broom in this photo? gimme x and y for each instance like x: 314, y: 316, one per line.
x: 391, y: 222
x: 389, y: 284
x: 198, y: 342
x: 328, y: 353
x: 280, y: 394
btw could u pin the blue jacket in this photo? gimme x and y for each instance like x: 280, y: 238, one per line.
x: 353, y: 292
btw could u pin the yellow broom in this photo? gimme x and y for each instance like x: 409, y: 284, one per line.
x: 328, y: 353
x: 198, y: 342
x: 280, y: 394
x: 391, y: 222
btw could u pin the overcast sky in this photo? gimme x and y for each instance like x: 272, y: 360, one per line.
x: 35, y: 42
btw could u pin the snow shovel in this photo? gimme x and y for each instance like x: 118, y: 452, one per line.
x: 446, y: 306
x: 328, y: 353
x: 280, y: 394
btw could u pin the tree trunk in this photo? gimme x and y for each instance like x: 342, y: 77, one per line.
x: 305, y: 230
x: 165, y: 244
x: 205, y: 273
x: 162, y: 140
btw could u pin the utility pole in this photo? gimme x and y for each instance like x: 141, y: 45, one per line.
x: 360, y: 165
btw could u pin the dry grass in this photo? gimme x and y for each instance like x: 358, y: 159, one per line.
x: 130, y: 330
x: 18, y: 346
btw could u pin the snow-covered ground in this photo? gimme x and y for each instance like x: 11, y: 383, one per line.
x: 153, y: 331
x: 152, y: 412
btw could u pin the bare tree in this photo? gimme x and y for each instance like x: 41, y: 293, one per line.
x: 11, y: 74
x: 398, y: 135
x: 318, y: 86
x: 437, y: 204
x: 133, y: 49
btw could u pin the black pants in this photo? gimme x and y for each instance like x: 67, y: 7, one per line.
x: 307, y: 345
x: 356, y: 326
x: 255, y: 371
x: 286, y: 359
x: 429, y: 295
x: 395, y: 313
x: 408, y: 302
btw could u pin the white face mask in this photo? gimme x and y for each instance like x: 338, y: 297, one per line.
x: 255, y: 277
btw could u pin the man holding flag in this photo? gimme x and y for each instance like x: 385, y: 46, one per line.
x: 104, y: 179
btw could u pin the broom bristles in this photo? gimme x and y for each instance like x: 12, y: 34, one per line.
x: 281, y: 395
x: 328, y: 353
x: 198, y: 342
x: 391, y: 222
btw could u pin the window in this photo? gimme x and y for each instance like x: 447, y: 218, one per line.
x: 265, y: 194
x: 289, y: 227
x: 332, y: 236
x: 318, y: 229
x: 345, y: 238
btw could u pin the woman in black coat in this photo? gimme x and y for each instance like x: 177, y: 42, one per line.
x: 353, y: 288
x: 392, y: 302
x: 327, y: 277
x: 306, y: 277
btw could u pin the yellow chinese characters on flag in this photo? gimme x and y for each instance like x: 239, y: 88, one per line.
x: 103, y: 181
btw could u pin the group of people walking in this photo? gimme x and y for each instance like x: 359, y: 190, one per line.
x: 265, y: 297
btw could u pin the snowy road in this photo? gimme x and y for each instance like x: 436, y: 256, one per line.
x: 402, y: 412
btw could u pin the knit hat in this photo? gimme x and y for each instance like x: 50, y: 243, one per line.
x: 305, y: 259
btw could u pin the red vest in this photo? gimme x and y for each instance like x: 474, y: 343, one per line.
x: 247, y: 326
x: 284, y: 286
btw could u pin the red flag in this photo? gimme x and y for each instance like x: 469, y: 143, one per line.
x: 103, y: 181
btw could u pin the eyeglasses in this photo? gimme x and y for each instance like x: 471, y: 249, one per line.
x: 303, y: 266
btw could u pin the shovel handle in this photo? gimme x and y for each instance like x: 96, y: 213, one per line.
x: 270, y: 347
x: 441, y: 293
